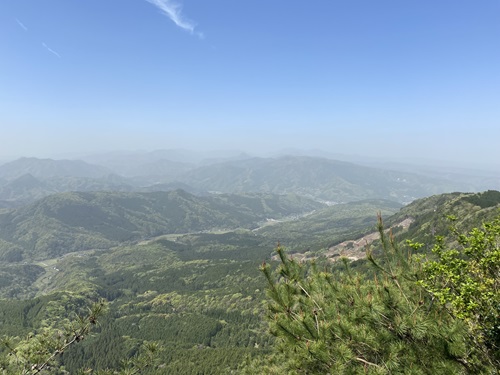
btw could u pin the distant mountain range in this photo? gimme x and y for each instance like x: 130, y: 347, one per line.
x: 49, y: 168
x: 27, y: 189
x: 318, y: 178
x: 27, y: 179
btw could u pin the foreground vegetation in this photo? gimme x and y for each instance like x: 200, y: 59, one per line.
x: 397, y: 321
x: 432, y: 313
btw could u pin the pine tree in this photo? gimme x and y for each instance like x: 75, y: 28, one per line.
x: 344, y: 323
x: 39, y: 352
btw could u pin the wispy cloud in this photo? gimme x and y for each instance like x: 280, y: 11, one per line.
x: 51, y: 50
x: 22, y: 25
x: 173, y: 10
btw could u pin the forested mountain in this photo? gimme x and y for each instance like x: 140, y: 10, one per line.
x: 169, y: 186
x: 69, y: 222
x: 429, y: 215
x: 422, y: 221
x: 326, y: 227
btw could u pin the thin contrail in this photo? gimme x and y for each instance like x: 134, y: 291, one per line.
x: 51, y: 50
x: 21, y: 24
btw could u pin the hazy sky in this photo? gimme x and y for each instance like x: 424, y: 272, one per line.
x: 374, y: 77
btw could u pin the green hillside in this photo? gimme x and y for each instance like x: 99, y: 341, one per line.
x: 69, y: 222
x: 420, y: 221
x: 430, y: 214
x: 324, y: 228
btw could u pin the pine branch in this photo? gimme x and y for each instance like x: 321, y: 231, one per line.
x: 367, y: 362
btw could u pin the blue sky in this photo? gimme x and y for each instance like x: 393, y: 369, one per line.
x: 374, y: 77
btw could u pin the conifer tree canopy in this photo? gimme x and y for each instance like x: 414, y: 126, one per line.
x: 347, y: 323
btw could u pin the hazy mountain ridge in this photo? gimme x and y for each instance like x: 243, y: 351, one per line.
x: 313, y: 177
x: 27, y: 189
x: 24, y: 189
x: 150, y: 171
x: 471, y: 179
x: 139, y: 163
x: 49, y: 168
x: 25, y: 180
x: 320, y: 178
